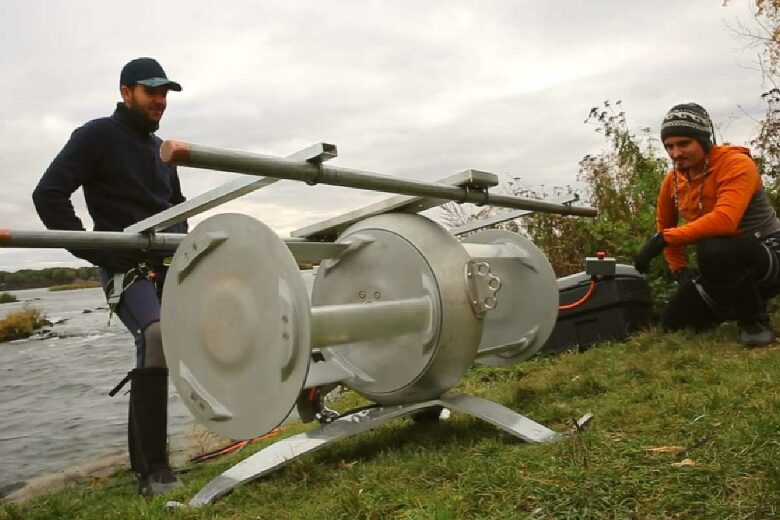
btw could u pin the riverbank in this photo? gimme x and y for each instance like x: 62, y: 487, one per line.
x: 55, y: 412
x: 78, y: 284
x: 110, y: 465
x: 686, y: 426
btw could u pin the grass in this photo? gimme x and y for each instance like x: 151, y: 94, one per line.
x: 8, y: 298
x: 20, y: 324
x: 686, y: 426
x: 78, y: 284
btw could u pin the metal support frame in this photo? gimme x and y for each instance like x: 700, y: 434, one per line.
x: 281, y: 452
x: 199, y: 156
x: 314, y: 154
x: 503, y: 217
x: 304, y: 252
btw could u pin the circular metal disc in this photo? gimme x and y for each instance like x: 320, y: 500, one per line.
x: 399, y: 257
x: 366, y: 277
x: 527, y: 302
x: 236, y: 326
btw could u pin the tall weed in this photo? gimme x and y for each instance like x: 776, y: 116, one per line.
x: 20, y: 324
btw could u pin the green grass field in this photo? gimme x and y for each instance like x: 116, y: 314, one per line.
x: 686, y: 426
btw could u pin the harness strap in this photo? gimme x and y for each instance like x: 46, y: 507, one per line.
x: 121, y: 281
x: 122, y: 383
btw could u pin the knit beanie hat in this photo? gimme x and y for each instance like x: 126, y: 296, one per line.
x: 688, y: 120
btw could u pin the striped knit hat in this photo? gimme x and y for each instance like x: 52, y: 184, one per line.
x: 688, y: 120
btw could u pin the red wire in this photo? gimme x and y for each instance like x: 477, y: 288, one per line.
x: 581, y: 300
x: 233, y: 447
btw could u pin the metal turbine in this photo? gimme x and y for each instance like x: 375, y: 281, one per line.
x: 397, y: 310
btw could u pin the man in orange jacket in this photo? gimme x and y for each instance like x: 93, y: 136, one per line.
x: 713, y: 198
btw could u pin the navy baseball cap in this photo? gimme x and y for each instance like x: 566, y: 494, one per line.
x: 146, y: 71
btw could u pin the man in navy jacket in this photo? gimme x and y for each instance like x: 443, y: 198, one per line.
x: 116, y: 161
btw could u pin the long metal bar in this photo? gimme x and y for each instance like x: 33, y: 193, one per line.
x: 55, y: 239
x: 221, y: 194
x: 332, y: 227
x: 281, y: 452
x: 304, y: 252
x: 203, y: 202
x: 503, y: 217
x: 198, y: 156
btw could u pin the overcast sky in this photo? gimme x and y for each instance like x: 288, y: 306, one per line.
x: 409, y: 88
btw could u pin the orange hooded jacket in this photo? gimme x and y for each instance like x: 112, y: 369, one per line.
x: 711, y: 205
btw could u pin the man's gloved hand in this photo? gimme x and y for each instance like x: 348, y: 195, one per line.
x: 650, y: 250
x: 685, y: 275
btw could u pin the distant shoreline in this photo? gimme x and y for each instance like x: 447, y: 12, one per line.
x: 49, y: 277
x: 79, y: 284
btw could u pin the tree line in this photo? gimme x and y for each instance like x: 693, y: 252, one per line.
x: 35, y: 278
x: 623, y: 180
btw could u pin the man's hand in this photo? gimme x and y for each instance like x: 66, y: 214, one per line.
x: 650, y: 250
x: 685, y: 275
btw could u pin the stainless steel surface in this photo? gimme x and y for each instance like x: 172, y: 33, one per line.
x: 200, y: 203
x: 527, y: 303
x: 281, y: 452
x: 316, y: 153
x: 501, y: 417
x: 329, y: 229
x: 312, y: 253
x: 476, y: 225
x: 304, y: 252
x: 236, y: 327
x: 199, y: 156
x: 406, y: 256
x: 345, y: 324
x: 482, y: 287
x: 88, y: 239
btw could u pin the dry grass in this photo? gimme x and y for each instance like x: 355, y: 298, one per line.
x: 20, y: 324
x: 77, y: 284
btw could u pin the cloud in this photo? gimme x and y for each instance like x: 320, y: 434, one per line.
x: 419, y: 90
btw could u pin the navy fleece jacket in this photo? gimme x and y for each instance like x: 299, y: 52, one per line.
x: 116, y: 160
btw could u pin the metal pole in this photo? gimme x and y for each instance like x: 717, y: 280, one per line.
x: 334, y: 325
x: 89, y: 239
x: 198, y: 156
x: 303, y: 251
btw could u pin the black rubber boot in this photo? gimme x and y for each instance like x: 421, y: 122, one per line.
x: 749, y: 309
x: 148, y: 431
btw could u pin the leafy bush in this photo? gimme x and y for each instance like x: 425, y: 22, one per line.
x: 7, y: 298
x: 622, y: 182
x: 20, y: 324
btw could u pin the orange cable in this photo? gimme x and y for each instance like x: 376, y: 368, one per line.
x: 233, y: 447
x: 581, y: 300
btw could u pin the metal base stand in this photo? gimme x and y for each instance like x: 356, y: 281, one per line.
x: 285, y: 450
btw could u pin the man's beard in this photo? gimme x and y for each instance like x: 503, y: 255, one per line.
x: 143, y: 111
x: 141, y: 114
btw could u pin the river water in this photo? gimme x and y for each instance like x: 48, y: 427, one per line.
x: 55, y: 411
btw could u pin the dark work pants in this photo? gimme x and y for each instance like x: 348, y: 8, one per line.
x: 737, y: 273
x: 139, y: 310
x: 139, y: 307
